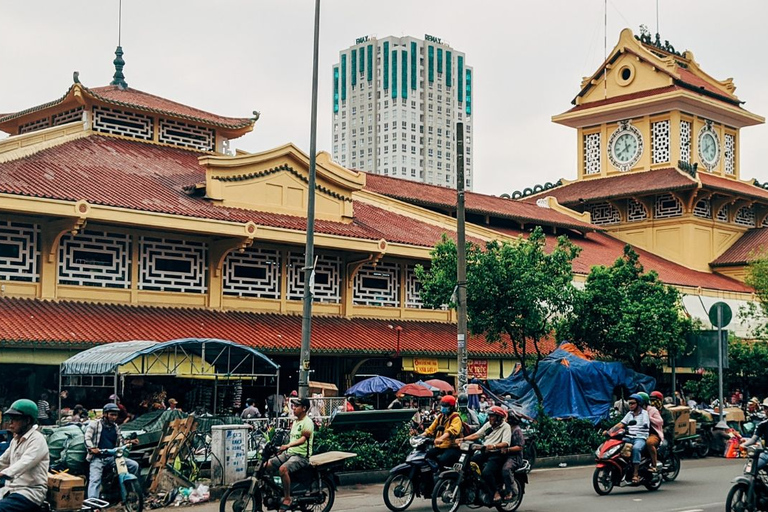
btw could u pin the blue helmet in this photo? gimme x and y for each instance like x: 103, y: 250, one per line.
x: 638, y: 398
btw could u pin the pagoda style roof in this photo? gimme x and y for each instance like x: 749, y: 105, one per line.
x: 750, y: 246
x: 71, y: 324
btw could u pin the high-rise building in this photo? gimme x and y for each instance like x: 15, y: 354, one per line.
x: 396, y: 103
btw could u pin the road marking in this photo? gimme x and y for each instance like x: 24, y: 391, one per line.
x: 638, y: 499
x: 693, y: 510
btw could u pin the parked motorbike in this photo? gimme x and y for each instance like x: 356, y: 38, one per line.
x: 464, y: 485
x: 312, y: 488
x: 614, y: 465
x: 669, y: 458
x: 750, y: 490
x: 414, y: 477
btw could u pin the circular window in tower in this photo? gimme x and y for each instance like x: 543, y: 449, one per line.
x: 625, y: 74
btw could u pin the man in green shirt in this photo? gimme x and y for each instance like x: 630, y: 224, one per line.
x: 295, y: 455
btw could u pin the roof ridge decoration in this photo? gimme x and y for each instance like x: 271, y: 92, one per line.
x: 118, y: 78
x: 529, y: 191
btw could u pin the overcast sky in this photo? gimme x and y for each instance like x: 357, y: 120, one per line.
x: 231, y: 57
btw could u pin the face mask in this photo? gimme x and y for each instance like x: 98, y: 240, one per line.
x: 445, y: 410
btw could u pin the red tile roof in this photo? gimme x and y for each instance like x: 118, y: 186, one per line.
x: 445, y: 198
x: 622, y: 185
x: 732, y: 186
x: 603, y: 249
x: 751, y: 245
x: 40, y: 322
x: 625, y: 97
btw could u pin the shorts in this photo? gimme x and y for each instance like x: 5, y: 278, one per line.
x: 292, y: 463
x: 653, y: 440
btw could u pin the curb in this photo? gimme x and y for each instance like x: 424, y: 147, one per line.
x: 353, y: 478
x: 584, y: 459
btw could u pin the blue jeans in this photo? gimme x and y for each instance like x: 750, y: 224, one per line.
x: 98, y: 465
x: 15, y: 502
x: 637, y: 450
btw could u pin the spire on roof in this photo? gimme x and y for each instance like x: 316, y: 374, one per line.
x: 118, y: 78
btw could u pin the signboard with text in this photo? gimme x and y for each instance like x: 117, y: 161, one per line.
x: 425, y: 366
x: 478, y: 368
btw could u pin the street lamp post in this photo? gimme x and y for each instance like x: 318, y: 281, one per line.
x: 461, y: 261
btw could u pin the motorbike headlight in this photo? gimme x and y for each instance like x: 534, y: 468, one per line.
x: 611, y: 452
x: 416, y: 441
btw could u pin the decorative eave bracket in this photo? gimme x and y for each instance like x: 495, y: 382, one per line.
x: 353, y: 267
x: 51, y: 236
x: 221, y: 248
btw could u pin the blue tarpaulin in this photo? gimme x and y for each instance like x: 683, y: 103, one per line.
x: 573, y: 386
x: 373, y: 385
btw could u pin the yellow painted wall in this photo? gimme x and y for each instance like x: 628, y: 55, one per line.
x: 43, y: 356
x: 642, y: 78
x: 496, y: 368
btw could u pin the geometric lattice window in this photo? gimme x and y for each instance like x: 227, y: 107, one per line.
x: 745, y: 216
x: 75, y: 114
x: 592, y: 153
x: 635, y: 211
x: 19, y: 251
x: 604, y: 213
x: 685, y: 141
x: 168, y: 265
x: 254, y: 272
x: 95, y: 258
x: 377, y: 286
x: 703, y: 209
x: 730, y: 154
x: 327, y: 278
x: 722, y: 215
x: 32, y: 126
x: 668, y: 206
x: 413, y: 290
x: 660, y: 141
x: 187, y: 135
x: 117, y: 122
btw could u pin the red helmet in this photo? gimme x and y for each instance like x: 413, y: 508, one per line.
x: 657, y: 395
x: 498, y: 411
x: 448, y: 400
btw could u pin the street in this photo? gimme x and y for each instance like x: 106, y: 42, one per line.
x: 702, y: 486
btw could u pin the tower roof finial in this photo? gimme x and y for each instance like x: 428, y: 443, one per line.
x: 118, y: 78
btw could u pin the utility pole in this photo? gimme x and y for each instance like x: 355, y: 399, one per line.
x: 461, y: 259
x: 309, y: 255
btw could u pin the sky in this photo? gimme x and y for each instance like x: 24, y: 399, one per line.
x: 232, y: 57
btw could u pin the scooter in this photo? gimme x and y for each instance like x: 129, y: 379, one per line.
x: 669, y: 458
x: 414, y: 477
x: 750, y: 490
x: 614, y: 465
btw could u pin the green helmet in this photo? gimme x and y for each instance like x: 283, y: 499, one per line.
x: 23, y: 407
x: 646, y: 397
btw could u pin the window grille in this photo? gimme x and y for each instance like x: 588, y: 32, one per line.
x: 685, y: 141
x: 33, y: 126
x: 95, y: 258
x: 604, y: 213
x: 413, y: 290
x: 722, y: 215
x: 660, y: 141
x: 327, y: 278
x: 668, y: 206
x: 252, y: 273
x: 635, y: 211
x: 703, y: 209
x: 730, y: 154
x: 187, y: 135
x: 592, y: 153
x: 70, y: 116
x: 377, y: 286
x: 117, y: 122
x: 168, y: 265
x: 19, y: 251
x: 745, y: 216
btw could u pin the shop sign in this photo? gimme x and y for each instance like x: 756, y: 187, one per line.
x: 424, y: 366
x: 478, y: 368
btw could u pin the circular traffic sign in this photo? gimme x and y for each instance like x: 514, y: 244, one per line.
x: 725, y: 316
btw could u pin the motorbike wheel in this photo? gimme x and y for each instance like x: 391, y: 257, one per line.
x: 674, y: 468
x: 737, y: 499
x: 134, y: 498
x: 329, y: 492
x: 654, y: 483
x: 237, y: 500
x: 514, y: 503
x: 602, y: 481
x: 447, y: 495
x: 702, y: 449
x: 398, y: 492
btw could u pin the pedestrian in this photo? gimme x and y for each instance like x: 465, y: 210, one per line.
x: 251, y: 411
x: 44, y: 410
x: 173, y: 405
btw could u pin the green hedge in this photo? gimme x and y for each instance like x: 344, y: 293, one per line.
x: 371, y: 455
x: 568, y: 437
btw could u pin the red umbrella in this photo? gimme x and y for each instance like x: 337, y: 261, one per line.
x: 414, y: 389
x: 441, y: 385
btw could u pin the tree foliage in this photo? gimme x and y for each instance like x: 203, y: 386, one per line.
x: 515, y: 291
x: 627, y: 315
x: 757, y: 278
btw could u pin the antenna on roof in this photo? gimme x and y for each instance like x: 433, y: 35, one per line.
x: 118, y: 78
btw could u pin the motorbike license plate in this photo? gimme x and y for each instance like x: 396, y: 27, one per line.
x: 748, y: 466
x: 457, y: 466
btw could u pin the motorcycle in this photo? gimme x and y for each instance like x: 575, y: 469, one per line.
x: 464, y: 485
x: 750, y: 490
x: 614, y: 465
x: 669, y: 458
x: 414, y: 477
x: 312, y: 488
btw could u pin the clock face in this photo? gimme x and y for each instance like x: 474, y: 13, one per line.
x: 625, y: 147
x: 709, y: 147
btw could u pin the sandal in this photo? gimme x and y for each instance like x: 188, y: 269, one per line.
x: 636, y: 479
x: 285, y: 506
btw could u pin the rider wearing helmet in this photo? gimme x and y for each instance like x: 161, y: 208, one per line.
x: 25, y: 463
x: 468, y: 416
x: 514, y: 453
x: 657, y: 399
x: 496, y: 434
x: 446, y: 427
x: 100, y: 435
x: 639, y: 431
x: 656, y: 433
x: 761, y: 431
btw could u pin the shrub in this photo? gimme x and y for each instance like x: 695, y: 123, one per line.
x: 371, y: 454
x: 555, y: 437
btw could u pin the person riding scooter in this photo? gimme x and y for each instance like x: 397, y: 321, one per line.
x: 100, y: 435
x: 25, y: 463
x: 496, y: 435
x: 639, y: 425
x: 761, y: 431
x: 446, y: 427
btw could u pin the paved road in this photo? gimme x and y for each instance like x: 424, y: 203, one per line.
x: 702, y: 486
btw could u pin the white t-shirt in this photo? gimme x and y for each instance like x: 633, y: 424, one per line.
x: 642, y: 424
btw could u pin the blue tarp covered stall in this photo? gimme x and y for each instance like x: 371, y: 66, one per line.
x: 572, y: 385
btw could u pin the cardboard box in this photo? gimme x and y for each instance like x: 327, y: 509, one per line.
x: 65, y: 491
x: 734, y: 414
x: 681, y: 415
x: 691, y: 427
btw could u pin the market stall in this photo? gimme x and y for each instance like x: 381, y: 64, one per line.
x: 219, y: 369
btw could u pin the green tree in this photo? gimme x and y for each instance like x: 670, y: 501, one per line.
x: 627, y: 315
x: 757, y: 313
x: 515, y: 291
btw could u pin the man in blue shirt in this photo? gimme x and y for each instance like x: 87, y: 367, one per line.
x: 100, y: 435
